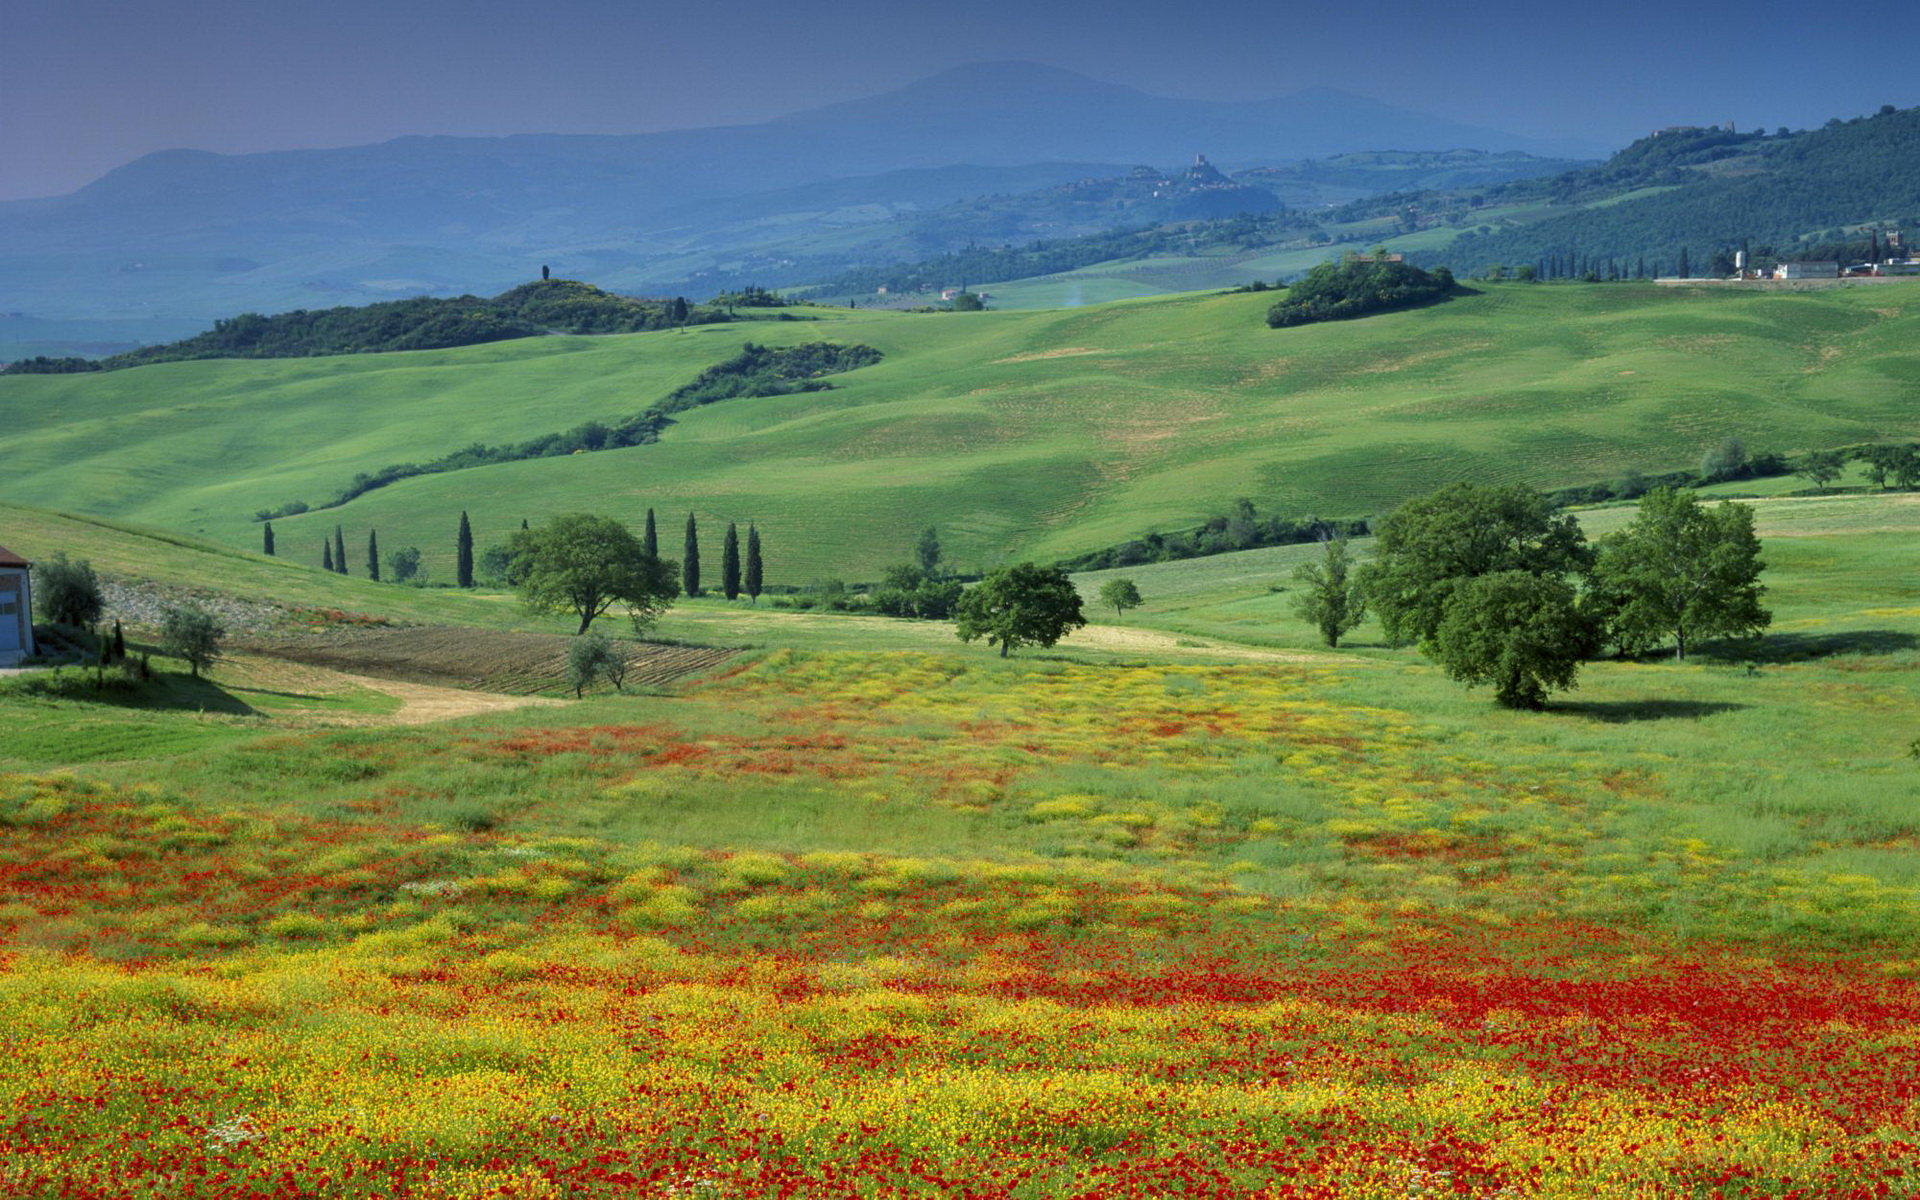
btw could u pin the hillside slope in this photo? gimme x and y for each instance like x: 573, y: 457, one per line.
x: 1018, y: 434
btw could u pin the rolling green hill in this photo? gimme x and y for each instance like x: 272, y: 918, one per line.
x: 1019, y: 434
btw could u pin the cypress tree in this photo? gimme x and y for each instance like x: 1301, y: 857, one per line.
x: 339, y: 550
x: 753, y: 564
x: 523, y: 522
x: 652, y: 540
x: 730, y: 563
x: 463, y: 553
x: 326, y: 554
x: 1686, y: 268
x: 690, y: 561
x: 373, y: 556
x: 266, y: 539
x: 119, y: 642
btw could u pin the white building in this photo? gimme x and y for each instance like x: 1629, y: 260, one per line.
x: 16, y: 608
x: 1807, y: 270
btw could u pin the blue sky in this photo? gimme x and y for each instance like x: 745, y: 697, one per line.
x: 89, y: 84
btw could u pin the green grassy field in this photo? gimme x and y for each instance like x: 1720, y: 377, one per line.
x: 874, y: 912
x: 1019, y: 434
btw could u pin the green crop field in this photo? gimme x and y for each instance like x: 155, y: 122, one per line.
x: 1020, y: 434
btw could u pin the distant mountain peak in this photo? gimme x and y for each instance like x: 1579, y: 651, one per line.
x: 1013, y: 75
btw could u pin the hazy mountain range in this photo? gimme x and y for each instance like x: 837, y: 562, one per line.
x: 183, y: 236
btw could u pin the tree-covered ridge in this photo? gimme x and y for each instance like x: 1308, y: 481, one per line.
x: 754, y: 372
x: 425, y: 323
x: 1356, y: 286
x: 1778, y: 196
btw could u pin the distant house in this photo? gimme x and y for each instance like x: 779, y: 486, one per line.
x: 1807, y: 270
x: 16, y: 608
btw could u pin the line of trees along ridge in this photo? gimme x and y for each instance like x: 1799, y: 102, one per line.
x: 756, y: 372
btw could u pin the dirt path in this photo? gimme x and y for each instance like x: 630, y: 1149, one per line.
x: 422, y: 704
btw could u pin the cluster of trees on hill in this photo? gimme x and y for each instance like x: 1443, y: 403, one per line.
x: 1356, y: 286
x: 1501, y: 589
x: 426, y: 323
x: 757, y: 371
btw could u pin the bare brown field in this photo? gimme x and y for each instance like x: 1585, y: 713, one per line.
x: 483, y: 660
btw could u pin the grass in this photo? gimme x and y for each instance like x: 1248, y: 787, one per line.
x: 873, y: 912
x: 1020, y: 434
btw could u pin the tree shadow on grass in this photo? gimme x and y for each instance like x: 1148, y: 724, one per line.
x: 1620, y: 712
x: 162, y: 693
x: 1801, y: 647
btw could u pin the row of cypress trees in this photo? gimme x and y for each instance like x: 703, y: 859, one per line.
x: 735, y: 578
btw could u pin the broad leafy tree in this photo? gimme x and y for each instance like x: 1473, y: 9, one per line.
x: 1120, y: 595
x: 1681, y: 570
x: 68, y: 591
x: 1822, y: 467
x: 1429, y: 547
x: 403, y: 565
x: 1521, y: 632
x: 1330, y: 597
x: 586, y: 564
x: 1024, y: 605
x: 191, y: 633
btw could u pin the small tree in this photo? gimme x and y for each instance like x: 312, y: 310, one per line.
x: 1681, y: 570
x: 119, y: 642
x: 753, y: 564
x: 326, y: 554
x: 1331, y: 598
x: 1020, y: 606
x: 927, y: 551
x: 190, y: 632
x: 463, y: 554
x: 404, y: 564
x: 1728, y: 460
x: 590, y: 656
x: 266, y: 540
x: 730, y: 563
x: 585, y: 564
x: 68, y: 591
x: 496, y: 565
x: 339, y: 550
x: 652, y: 539
x: 373, y: 557
x: 690, y: 563
x: 1521, y: 632
x: 1121, y: 594
x: 1821, y: 467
